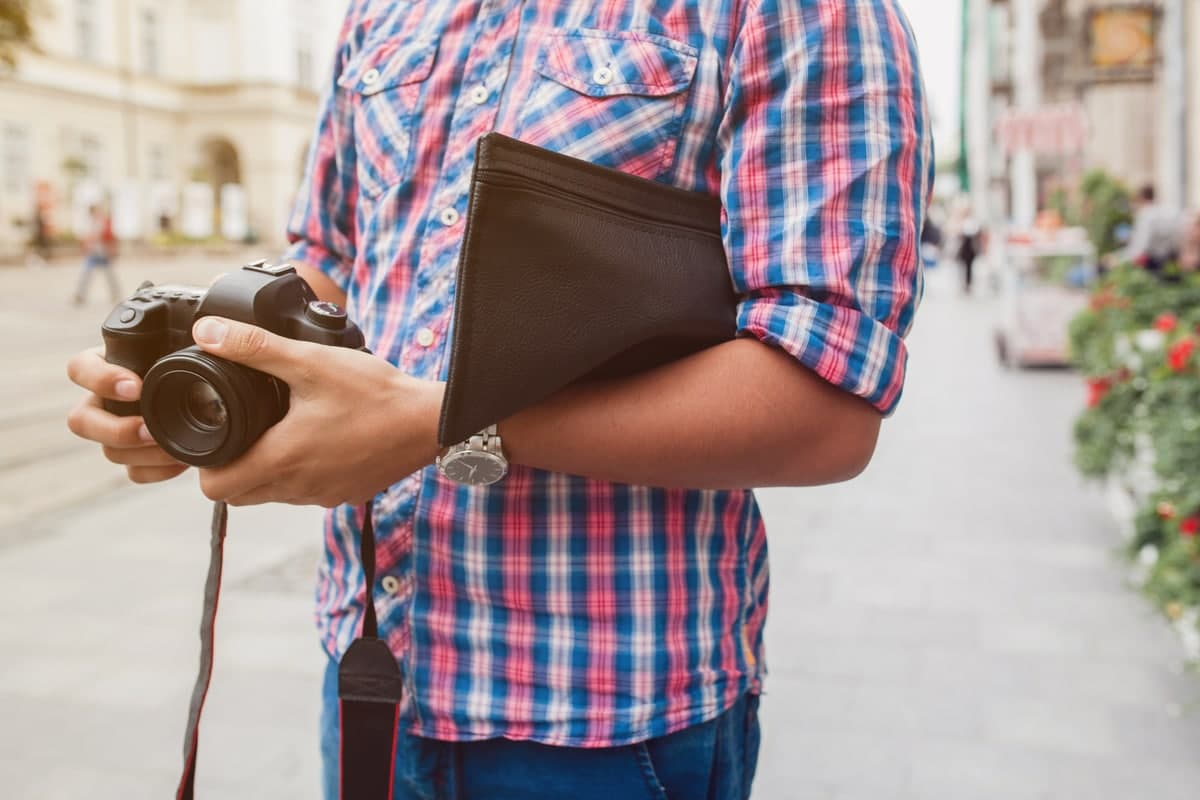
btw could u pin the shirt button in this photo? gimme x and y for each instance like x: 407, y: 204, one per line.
x: 449, y: 216
x: 425, y: 337
x: 391, y: 584
x: 479, y: 95
x: 370, y: 76
x: 603, y: 76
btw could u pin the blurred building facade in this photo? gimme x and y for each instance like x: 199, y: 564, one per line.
x: 1058, y: 87
x: 190, y: 115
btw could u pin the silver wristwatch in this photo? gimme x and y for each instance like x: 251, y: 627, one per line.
x: 479, y: 461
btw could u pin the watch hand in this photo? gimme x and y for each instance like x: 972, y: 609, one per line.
x: 471, y: 474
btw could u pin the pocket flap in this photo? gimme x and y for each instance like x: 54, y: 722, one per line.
x: 388, y: 65
x: 604, y: 63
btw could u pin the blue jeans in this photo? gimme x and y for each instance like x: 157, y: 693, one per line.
x: 711, y: 761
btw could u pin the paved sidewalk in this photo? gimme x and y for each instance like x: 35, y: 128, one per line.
x: 951, y: 625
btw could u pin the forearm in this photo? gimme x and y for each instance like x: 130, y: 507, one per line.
x: 738, y: 415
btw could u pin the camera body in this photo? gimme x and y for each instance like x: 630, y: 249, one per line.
x: 205, y: 410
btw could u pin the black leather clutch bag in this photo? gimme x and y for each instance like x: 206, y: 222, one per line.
x: 572, y: 271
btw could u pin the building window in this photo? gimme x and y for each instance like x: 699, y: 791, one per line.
x: 150, y: 39
x: 304, y: 66
x: 90, y: 152
x: 85, y: 29
x: 16, y: 159
x: 303, y: 16
x: 158, y: 163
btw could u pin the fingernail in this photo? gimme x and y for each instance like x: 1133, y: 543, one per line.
x: 210, y: 331
x: 127, y: 389
x: 144, y: 434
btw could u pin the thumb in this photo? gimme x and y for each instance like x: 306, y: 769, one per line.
x: 286, y: 359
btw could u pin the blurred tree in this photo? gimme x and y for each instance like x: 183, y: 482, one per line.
x: 1105, y: 209
x: 15, y: 28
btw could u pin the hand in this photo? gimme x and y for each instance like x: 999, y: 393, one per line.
x: 355, y: 426
x: 125, y: 439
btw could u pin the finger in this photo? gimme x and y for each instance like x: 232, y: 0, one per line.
x: 154, y: 474
x: 89, y: 370
x: 269, y: 493
x: 145, y: 456
x: 89, y: 421
x: 267, y: 461
x: 287, y: 359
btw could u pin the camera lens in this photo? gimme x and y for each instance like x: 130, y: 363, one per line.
x: 206, y: 411
x: 204, y: 407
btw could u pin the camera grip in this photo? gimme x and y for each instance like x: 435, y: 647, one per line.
x: 135, y: 353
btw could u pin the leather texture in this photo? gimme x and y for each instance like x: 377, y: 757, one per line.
x: 572, y: 271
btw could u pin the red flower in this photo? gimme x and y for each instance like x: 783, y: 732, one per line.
x: 1097, y: 390
x: 1101, y: 299
x: 1181, y: 353
x: 1190, y: 527
x: 1166, y: 322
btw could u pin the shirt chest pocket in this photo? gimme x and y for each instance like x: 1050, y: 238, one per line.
x: 383, y: 87
x: 613, y: 98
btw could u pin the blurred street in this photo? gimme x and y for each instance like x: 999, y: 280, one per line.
x: 953, y: 624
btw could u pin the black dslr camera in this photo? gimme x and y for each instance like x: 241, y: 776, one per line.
x: 203, y: 410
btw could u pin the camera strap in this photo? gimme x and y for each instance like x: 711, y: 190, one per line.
x: 370, y: 685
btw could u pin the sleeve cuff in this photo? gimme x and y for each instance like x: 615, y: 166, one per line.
x: 332, y: 266
x: 845, y: 347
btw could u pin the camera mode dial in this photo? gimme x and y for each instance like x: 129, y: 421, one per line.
x: 329, y: 316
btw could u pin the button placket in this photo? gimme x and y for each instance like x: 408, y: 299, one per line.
x: 487, y: 65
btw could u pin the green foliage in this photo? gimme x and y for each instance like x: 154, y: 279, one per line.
x: 1103, y: 438
x: 1138, y: 345
x: 15, y: 28
x: 1174, y: 582
x: 1104, y: 207
x: 1063, y: 201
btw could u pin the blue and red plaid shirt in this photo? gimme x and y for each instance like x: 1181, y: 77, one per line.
x: 553, y: 607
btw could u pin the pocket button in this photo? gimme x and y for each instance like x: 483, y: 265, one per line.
x: 602, y: 76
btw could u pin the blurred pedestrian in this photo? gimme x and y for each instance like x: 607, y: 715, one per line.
x: 931, y: 243
x: 1154, y: 241
x: 970, y: 245
x: 39, y: 239
x: 99, y: 251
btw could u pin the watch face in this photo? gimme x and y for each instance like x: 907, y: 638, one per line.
x: 474, y: 468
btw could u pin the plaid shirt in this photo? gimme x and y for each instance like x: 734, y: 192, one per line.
x: 553, y: 607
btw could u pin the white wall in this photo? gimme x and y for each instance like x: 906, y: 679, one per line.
x: 1192, y: 79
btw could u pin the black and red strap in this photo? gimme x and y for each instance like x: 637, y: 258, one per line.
x: 370, y: 685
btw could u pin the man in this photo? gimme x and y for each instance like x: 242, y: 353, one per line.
x: 569, y: 631
x: 1154, y: 241
x: 970, y: 237
x: 99, y: 249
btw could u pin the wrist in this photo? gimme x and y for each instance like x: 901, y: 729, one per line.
x: 419, y: 403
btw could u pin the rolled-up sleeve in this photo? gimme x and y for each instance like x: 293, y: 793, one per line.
x: 827, y: 164
x: 321, y: 225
